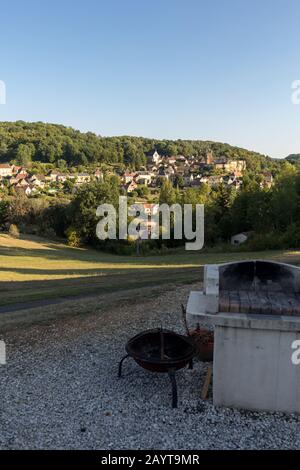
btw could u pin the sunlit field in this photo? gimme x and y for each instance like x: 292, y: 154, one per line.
x: 32, y: 268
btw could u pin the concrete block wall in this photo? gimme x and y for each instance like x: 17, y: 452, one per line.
x: 253, y: 369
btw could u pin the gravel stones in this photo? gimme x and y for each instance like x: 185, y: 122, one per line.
x: 60, y: 390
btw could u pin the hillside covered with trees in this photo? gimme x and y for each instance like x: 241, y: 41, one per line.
x: 294, y: 158
x: 23, y: 142
x: 269, y: 212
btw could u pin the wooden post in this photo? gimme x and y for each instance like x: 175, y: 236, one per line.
x: 207, y: 382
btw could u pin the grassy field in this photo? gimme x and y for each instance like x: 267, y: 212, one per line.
x: 36, y: 269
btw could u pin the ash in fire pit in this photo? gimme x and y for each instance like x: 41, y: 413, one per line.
x: 160, y: 350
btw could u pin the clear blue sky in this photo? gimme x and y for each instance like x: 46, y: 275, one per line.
x: 218, y: 70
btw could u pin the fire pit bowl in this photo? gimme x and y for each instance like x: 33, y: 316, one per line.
x: 161, y: 350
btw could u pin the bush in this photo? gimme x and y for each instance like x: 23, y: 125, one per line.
x: 13, y: 231
x: 49, y: 232
x: 263, y: 241
x: 73, y: 238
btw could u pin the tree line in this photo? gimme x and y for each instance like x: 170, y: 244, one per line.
x: 271, y: 216
x: 23, y: 143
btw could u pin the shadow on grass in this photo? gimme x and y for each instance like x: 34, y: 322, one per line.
x: 54, y: 252
x: 113, y: 273
x: 28, y: 291
x: 91, y: 255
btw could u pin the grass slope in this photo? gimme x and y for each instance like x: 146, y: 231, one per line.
x: 32, y: 268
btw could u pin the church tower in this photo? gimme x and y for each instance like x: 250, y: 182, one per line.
x: 209, y: 159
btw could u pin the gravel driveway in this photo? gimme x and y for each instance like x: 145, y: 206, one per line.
x: 59, y: 390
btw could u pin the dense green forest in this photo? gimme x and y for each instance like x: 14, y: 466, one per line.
x: 24, y: 142
x: 271, y: 214
x: 293, y: 158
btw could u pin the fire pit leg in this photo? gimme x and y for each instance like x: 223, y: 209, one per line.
x: 171, y: 373
x: 120, y: 365
x: 191, y: 365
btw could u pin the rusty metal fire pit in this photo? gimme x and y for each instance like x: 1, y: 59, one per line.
x: 161, y: 350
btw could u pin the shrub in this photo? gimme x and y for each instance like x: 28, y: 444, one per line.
x: 13, y: 231
x: 263, y: 241
x: 291, y: 237
x: 73, y: 238
x: 49, y: 232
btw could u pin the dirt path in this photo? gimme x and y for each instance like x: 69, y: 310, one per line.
x: 49, y: 310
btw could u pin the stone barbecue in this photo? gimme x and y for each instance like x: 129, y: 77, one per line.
x: 259, y: 287
x: 255, y: 309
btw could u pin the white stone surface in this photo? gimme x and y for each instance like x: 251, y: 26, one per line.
x: 211, y: 280
x: 253, y: 369
x: 253, y: 366
x: 199, y: 303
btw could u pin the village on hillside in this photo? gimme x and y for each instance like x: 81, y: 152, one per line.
x: 182, y: 171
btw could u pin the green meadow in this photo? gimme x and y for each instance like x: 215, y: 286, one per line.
x: 32, y: 269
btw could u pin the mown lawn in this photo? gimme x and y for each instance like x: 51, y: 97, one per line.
x: 32, y: 268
